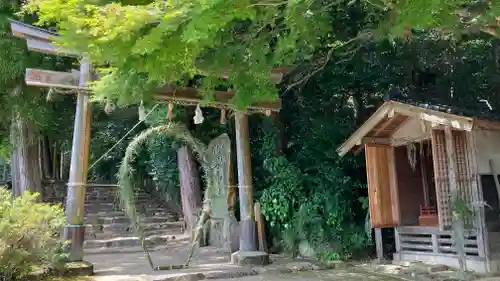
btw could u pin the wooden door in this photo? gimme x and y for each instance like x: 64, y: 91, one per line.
x: 382, y: 186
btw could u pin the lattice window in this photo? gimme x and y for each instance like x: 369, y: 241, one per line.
x: 441, y: 178
x: 463, y: 174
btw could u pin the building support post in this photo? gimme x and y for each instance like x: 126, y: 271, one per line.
x: 75, y: 230
x: 245, y: 185
x: 379, y: 245
x: 248, y: 253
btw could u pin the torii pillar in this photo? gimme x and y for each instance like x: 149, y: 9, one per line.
x: 75, y: 201
x: 248, y: 253
x: 40, y: 40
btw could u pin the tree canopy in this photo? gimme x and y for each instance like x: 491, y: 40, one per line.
x: 143, y: 45
x: 19, y: 101
x: 456, y: 16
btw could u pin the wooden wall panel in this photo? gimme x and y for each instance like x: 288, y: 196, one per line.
x: 382, y: 189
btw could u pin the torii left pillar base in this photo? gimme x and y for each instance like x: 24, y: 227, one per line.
x: 242, y: 258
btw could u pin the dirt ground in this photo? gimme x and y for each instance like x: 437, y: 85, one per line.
x: 134, y: 266
x: 326, y: 275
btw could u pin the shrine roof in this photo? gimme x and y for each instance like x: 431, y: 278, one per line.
x: 396, y: 112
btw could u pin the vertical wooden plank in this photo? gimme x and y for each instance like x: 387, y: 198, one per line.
x: 482, y: 233
x: 372, y: 187
x: 435, y: 243
x: 384, y: 210
x: 379, y: 245
x: 397, y: 239
x: 261, y: 233
x: 396, y: 213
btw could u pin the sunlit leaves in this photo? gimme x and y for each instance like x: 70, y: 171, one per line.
x: 445, y: 16
x: 166, y: 43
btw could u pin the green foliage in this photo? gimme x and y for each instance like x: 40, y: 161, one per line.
x: 161, y: 166
x: 310, y: 205
x: 45, y: 118
x: 28, y: 235
x: 447, y: 17
x: 280, y: 201
x: 143, y: 46
x: 463, y: 211
x: 107, y: 130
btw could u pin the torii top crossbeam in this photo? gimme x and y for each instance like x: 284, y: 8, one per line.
x: 40, y: 40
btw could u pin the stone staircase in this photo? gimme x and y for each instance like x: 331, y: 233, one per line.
x: 108, y: 228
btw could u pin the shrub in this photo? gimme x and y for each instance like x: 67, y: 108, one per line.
x: 29, y: 237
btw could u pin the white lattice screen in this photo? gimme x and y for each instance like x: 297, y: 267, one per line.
x: 441, y: 178
x: 464, y: 175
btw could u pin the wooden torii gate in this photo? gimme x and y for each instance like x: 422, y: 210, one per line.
x: 40, y: 40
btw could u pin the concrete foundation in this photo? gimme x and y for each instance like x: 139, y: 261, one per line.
x: 78, y: 268
x: 250, y: 258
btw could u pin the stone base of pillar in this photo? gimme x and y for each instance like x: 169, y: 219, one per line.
x: 77, y: 268
x: 248, y: 236
x: 75, y: 234
x: 250, y: 258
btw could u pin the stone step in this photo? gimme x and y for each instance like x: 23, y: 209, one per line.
x: 124, y: 223
x: 111, y: 207
x: 98, y: 197
x: 126, y: 242
x: 147, y: 206
x: 122, y: 250
x: 124, y: 226
x: 124, y: 219
x: 121, y: 214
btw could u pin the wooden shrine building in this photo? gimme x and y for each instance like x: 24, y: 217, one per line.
x: 418, y: 157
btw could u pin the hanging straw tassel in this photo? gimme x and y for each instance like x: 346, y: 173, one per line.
x: 142, y: 112
x: 223, y: 116
x: 109, y: 107
x: 198, y: 115
x: 50, y: 95
x: 170, y: 110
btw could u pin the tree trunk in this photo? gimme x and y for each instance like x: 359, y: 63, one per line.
x: 190, y: 186
x: 45, y: 156
x: 62, y: 172
x: 25, y: 158
x: 55, y: 158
